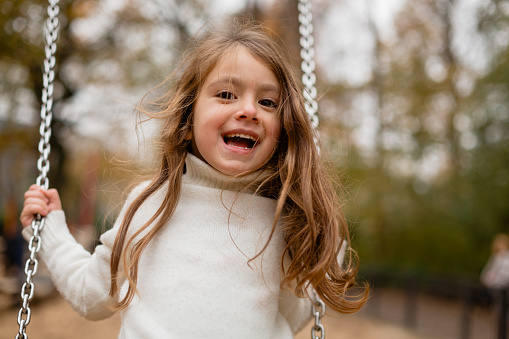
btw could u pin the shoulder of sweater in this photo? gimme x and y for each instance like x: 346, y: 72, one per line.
x: 139, y: 188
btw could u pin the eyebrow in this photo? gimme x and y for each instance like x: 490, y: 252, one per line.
x: 237, y: 81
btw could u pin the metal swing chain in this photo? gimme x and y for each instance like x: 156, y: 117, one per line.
x: 318, y: 313
x: 307, y: 54
x: 34, y: 245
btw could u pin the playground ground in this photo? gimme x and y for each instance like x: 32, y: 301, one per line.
x: 53, y: 318
x: 383, y: 317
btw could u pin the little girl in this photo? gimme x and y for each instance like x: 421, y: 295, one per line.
x: 237, y: 225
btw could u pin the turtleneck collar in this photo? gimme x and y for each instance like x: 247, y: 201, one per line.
x: 200, y: 173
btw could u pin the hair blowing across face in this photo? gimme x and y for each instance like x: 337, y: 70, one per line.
x: 307, y: 204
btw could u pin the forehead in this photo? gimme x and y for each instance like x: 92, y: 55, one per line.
x: 240, y: 65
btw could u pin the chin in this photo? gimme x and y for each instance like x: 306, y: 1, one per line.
x: 234, y: 170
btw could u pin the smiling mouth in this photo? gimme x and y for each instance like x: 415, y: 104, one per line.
x: 240, y: 140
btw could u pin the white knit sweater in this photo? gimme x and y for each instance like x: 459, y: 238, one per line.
x: 194, y: 280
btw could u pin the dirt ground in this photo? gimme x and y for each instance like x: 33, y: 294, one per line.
x: 53, y: 318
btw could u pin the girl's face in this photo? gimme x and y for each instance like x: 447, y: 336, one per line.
x: 235, y: 125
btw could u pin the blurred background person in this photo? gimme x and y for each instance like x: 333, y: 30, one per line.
x: 495, y: 276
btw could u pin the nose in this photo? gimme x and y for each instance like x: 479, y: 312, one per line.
x: 247, y: 111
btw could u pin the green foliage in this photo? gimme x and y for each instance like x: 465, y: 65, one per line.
x: 402, y: 218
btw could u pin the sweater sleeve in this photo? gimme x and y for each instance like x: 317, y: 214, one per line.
x: 297, y: 311
x: 82, y: 278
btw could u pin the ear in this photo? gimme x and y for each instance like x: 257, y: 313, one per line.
x: 189, y: 134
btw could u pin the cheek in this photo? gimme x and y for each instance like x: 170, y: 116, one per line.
x: 274, y: 129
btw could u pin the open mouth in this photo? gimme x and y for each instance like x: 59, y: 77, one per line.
x: 240, y: 140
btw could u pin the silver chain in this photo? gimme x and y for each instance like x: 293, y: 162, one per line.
x: 318, y: 330
x: 307, y: 54
x: 34, y: 245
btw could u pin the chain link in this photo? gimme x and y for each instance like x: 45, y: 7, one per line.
x: 34, y: 245
x: 318, y: 311
x: 307, y: 54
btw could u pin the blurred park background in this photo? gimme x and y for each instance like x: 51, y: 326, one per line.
x: 414, y: 114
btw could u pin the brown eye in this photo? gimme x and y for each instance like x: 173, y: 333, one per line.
x: 226, y: 95
x: 268, y: 103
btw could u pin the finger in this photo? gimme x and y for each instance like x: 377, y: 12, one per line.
x: 28, y: 213
x: 26, y: 220
x: 38, y: 194
x: 36, y: 201
x: 33, y: 209
x: 52, y: 194
x: 54, y: 199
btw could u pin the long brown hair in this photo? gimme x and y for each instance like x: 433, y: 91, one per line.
x: 307, y: 204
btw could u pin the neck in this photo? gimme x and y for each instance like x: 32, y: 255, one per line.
x: 201, y: 173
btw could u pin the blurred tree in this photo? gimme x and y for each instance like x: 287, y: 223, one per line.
x: 429, y: 180
x: 489, y: 114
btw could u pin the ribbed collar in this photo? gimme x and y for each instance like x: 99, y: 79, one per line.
x: 200, y: 173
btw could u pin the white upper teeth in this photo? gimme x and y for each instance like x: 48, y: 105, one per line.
x: 240, y: 135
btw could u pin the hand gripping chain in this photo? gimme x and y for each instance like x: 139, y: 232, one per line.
x: 34, y: 245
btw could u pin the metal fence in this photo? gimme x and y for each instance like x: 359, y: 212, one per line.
x: 441, y: 308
